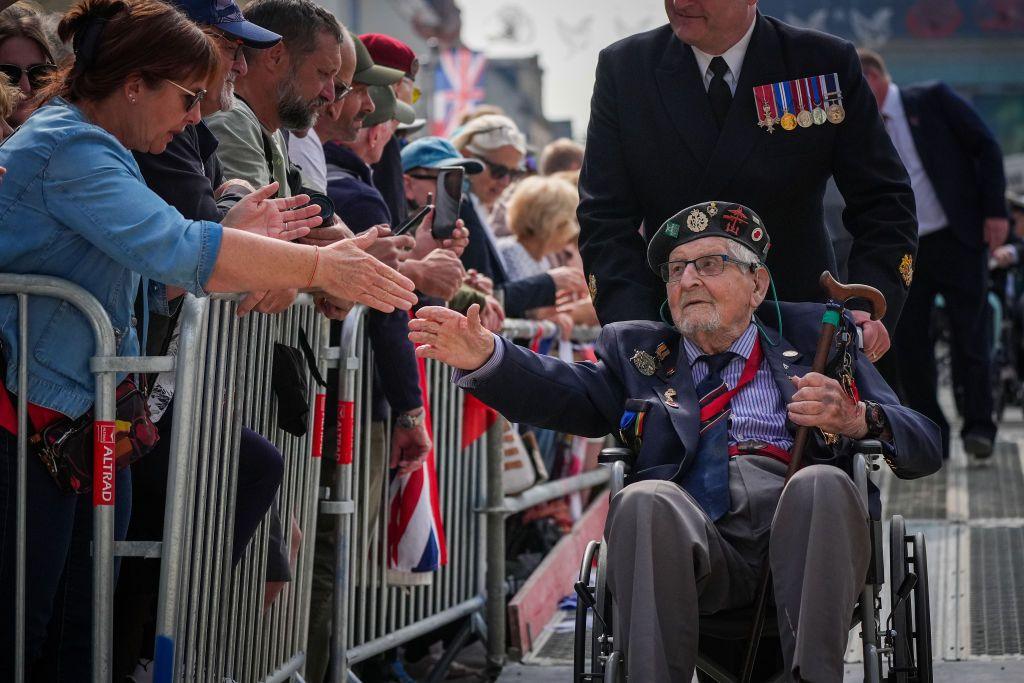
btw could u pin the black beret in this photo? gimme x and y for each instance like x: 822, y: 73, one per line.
x: 709, y: 219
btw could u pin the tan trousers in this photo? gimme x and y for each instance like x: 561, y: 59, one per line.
x: 668, y: 564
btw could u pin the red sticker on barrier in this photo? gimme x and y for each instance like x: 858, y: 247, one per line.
x: 104, y: 438
x: 346, y: 431
x: 318, y: 425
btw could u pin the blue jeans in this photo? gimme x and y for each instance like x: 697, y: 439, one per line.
x: 59, y: 563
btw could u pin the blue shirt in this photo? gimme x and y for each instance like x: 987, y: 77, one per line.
x: 758, y: 411
x: 74, y: 205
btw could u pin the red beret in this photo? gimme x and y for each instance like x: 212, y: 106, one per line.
x: 391, y: 52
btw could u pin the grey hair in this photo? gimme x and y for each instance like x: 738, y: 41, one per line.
x: 742, y: 252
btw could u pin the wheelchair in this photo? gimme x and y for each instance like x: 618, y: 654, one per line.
x: 902, y: 642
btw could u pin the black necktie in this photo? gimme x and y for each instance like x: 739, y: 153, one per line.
x: 718, y: 92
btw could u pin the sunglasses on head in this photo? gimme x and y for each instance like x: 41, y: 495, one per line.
x: 193, y: 98
x: 37, y: 73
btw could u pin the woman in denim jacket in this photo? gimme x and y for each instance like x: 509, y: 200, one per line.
x: 73, y: 205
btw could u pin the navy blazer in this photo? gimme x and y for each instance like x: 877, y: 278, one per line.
x: 588, y: 399
x: 653, y: 149
x: 960, y: 155
x: 520, y: 295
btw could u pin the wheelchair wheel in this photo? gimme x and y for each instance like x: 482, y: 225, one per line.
x: 903, y: 654
x: 580, y: 640
x: 922, y: 612
x: 600, y: 647
x: 613, y: 672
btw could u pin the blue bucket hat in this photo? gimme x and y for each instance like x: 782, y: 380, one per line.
x: 435, y: 152
x: 226, y: 15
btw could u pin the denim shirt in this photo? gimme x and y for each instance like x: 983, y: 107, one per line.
x: 74, y: 205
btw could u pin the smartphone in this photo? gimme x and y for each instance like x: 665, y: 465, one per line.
x: 413, y: 223
x: 449, y: 197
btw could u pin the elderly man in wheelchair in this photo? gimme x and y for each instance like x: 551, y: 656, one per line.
x: 709, y: 406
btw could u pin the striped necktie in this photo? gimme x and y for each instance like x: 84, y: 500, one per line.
x: 707, y: 480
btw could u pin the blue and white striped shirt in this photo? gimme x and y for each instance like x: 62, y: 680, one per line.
x: 758, y: 411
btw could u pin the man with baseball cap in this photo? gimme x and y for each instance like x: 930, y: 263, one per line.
x: 709, y: 406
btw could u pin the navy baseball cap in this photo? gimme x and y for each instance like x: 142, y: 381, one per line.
x: 435, y: 152
x: 226, y: 15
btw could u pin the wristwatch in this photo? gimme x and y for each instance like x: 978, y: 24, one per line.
x: 875, y: 418
x: 410, y: 420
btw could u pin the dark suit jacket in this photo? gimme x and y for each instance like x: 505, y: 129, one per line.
x: 520, y: 295
x: 960, y: 155
x: 653, y: 149
x: 588, y: 399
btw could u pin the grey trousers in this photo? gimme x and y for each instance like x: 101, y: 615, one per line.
x: 668, y: 564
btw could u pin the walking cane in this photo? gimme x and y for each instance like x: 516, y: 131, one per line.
x: 837, y: 296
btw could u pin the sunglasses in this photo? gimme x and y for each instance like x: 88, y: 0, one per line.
x: 423, y: 176
x: 341, y: 90
x: 193, y: 98
x: 236, y: 43
x: 37, y: 73
x: 499, y: 171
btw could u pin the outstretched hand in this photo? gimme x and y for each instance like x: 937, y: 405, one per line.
x: 450, y: 337
x: 284, y: 219
x: 348, y: 272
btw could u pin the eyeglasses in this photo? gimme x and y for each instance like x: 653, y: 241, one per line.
x: 341, y: 90
x: 499, y: 171
x: 37, y: 73
x: 236, y: 43
x: 193, y: 98
x: 709, y: 265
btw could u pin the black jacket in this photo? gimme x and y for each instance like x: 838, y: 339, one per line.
x: 960, y: 155
x: 520, y: 295
x: 359, y: 204
x: 653, y: 149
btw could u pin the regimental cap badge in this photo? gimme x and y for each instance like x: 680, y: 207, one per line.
x: 907, y: 270
x: 697, y: 221
x: 644, y: 362
x: 709, y: 219
x: 592, y: 286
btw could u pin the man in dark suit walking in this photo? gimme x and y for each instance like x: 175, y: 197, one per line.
x: 956, y: 170
x: 674, y: 120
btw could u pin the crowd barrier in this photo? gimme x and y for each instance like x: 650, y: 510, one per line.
x: 211, y: 623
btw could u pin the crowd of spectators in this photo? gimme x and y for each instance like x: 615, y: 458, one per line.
x: 160, y: 149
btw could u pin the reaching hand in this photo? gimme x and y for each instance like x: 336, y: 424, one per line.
x: 569, y: 280
x: 278, y: 218
x: 821, y: 402
x: 493, y: 315
x: 438, y: 275
x: 450, y: 337
x: 267, y: 302
x: 335, y: 309
x: 347, y: 271
x: 479, y: 282
x: 392, y: 249
x: 321, y: 237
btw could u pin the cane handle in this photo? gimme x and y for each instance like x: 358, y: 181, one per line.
x: 842, y: 293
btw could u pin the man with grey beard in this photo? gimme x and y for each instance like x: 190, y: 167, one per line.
x: 284, y: 88
x: 709, y: 406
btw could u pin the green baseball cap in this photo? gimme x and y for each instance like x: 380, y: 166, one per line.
x: 368, y: 73
x: 387, y: 107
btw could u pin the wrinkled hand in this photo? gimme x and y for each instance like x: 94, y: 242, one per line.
x: 1005, y: 256
x: 569, y: 281
x: 821, y: 402
x: 330, y: 234
x: 278, y: 218
x: 267, y: 302
x: 335, y: 309
x: 347, y: 271
x: 479, y: 282
x: 876, y: 337
x: 409, y: 447
x: 425, y: 242
x: 450, y: 337
x: 391, y: 250
x: 995, y: 231
x: 439, y: 275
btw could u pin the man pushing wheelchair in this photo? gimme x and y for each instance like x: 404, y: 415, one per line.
x: 711, y: 406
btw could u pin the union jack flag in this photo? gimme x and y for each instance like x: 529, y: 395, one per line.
x: 458, y: 87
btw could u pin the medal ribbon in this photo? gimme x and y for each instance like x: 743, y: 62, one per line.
x: 794, y: 96
x: 816, y: 88
x: 780, y: 94
x: 832, y: 83
x: 762, y: 96
x: 799, y: 98
x: 719, y: 403
x: 806, y: 87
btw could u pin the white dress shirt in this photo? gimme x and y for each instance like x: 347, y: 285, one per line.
x: 930, y: 216
x: 733, y: 58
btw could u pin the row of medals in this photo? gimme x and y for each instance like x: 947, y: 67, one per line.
x: 805, y: 119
